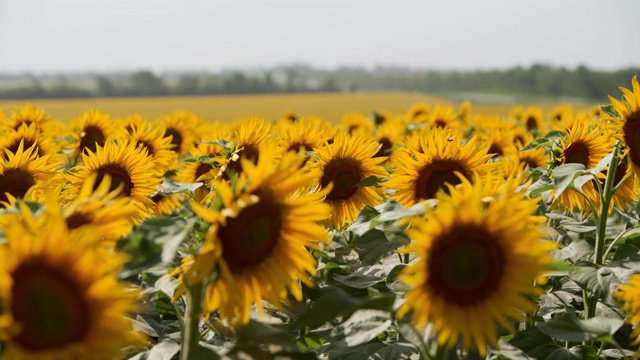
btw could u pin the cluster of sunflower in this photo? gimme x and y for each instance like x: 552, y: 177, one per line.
x: 269, y: 203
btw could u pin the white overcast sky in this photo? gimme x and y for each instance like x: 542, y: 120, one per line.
x: 111, y: 35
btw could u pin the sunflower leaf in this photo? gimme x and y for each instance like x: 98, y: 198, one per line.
x: 543, y: 184
x: 540, y: 142
x: 573, y: 329
x: 361, y: 327
x: 564, y: 175
x: 369, y: 181
x: 602, y: 281
x: 170, y: 187
x: 578, y: 352
x: 534, y: 343
x: 608, y: 109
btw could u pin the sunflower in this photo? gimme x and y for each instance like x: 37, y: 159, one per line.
x: 304, y: 134
x: 627, y: 193
x: 355, y: 122
x: 430, y: 162
x: 585, y: 144
x: 533, y: 158
x: 127, y: 125
x: 153, y: 140
x: 101, y: 210
x: 91, y: 130
x: 59, y: 294
x: 21, y: 172
x: 30, y: 136
x: 500, y: 141
x: 26, y: 115
x: 419, y: 113
x: 249, y: 137
x: 629, y: 123
x: 130, y: 169
x: 532, y: 121
x: 167, y: 204
x: 477, y: 260
x: 345, y: 163
x: 182, y: 127
x: 443, y: 117
x: 629, y: 293
x: 257, y: 241
x: 388, y: 135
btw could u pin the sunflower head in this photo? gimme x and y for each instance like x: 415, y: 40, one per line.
x: 419, y: 113
x: 629, y: 294
x: 532, y: 120
x: 91, y: 130
x: 182, y: 127
x: 60, y: 295
x: 478, y: 257
x: 258, y: 238
x: 28, y: 135
x: 628, y: 122
x: 25, y: 116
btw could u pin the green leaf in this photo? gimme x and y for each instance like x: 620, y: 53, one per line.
x: 374, y: 244
x: 573, y: 329
x: 608, y: 109
x: 510, y: 352
x: 392, y: 211
x: 539, y: 142
x: 579, y: 352
x: 362, y: 278
x: 374, y: 351
x: 310, y: 341
x: 394, y: 283
x: 170, y: 186
x: 369, y: 181
x: 361, y: 327
x: 603, y: 163
x: 333, y: 302
x: 534, y: 343
x: 563, y: 176
x: 543, y: 184
x: 600, y: 281
x: 362, y: 223
x: 259, y: 341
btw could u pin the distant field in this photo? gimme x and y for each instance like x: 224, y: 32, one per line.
x: 227, y: 108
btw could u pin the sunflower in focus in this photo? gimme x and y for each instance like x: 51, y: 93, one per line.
x: 478, y: 258
x: 25, y: 116
x: 585, y: 144
x: 629, y: 293
x: 430, y: 162
x: 257, y: 241
x: 60, y: 297
x: 129, y: 168
x: 91, y: 130
x: 345, y: 163
x: 21, y: 173
x: 629, y: 123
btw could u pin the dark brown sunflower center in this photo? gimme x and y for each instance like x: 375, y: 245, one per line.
x: 465, y: 265
x: 50, y: 307
x: 621, y: 171
x: 250, y: 237
x: 249, y: 152
x: 77, y: 220
x: 418, y: 113
x: 176, y: 138
x: 439, y: 123
x: 496, y: 150
x: 119, y: 177
x: 386, y: 145
x: 577, y: 153
x: 436, y: 175
x: 299, y: 145
x: 531, y: 124
x: 631, y: 130
x: 202, y: 169
x: 25, y: 122
x: 27, y: 144
x: 15, y: 182
x: 344, y: 174
x: 90, y: 137
x: 519, y: 139
x: 145, y: 145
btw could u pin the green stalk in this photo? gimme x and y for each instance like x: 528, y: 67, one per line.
x: 591, y: 301
x: 191, y: 329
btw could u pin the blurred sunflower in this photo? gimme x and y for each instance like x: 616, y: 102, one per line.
x: 345, y: 163
x: 60, y: 298
x: 629, y: 123
x: 30, y: 136
x: 388, y: 135
x: 532, y: 120
x: 153, y: 140
x: 355, y: 122
x: 477, y: 260
x: 430, y: 162
x: 182, y: 127
x: 419, y: 113
x: 249, y: 137
x: 257, y: 241
x: 629, y: 293
x: 26, y: 115
x: 585, y: 144
x: 21, y: 172
x: 130, y: 170
x: 91, y: 130
x: 443, y: 117
x: 304, y: 134
x: 166, y: 204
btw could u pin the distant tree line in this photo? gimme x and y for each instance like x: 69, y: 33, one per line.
x: 538, y: 80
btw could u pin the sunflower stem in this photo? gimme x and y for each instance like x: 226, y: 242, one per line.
x: 191, y: 329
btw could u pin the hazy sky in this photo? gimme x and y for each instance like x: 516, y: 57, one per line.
x: 106, y: 35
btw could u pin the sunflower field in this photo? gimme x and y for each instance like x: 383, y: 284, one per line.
x: 438, y: 233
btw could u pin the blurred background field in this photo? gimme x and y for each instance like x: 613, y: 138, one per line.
x: 226, y: 108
